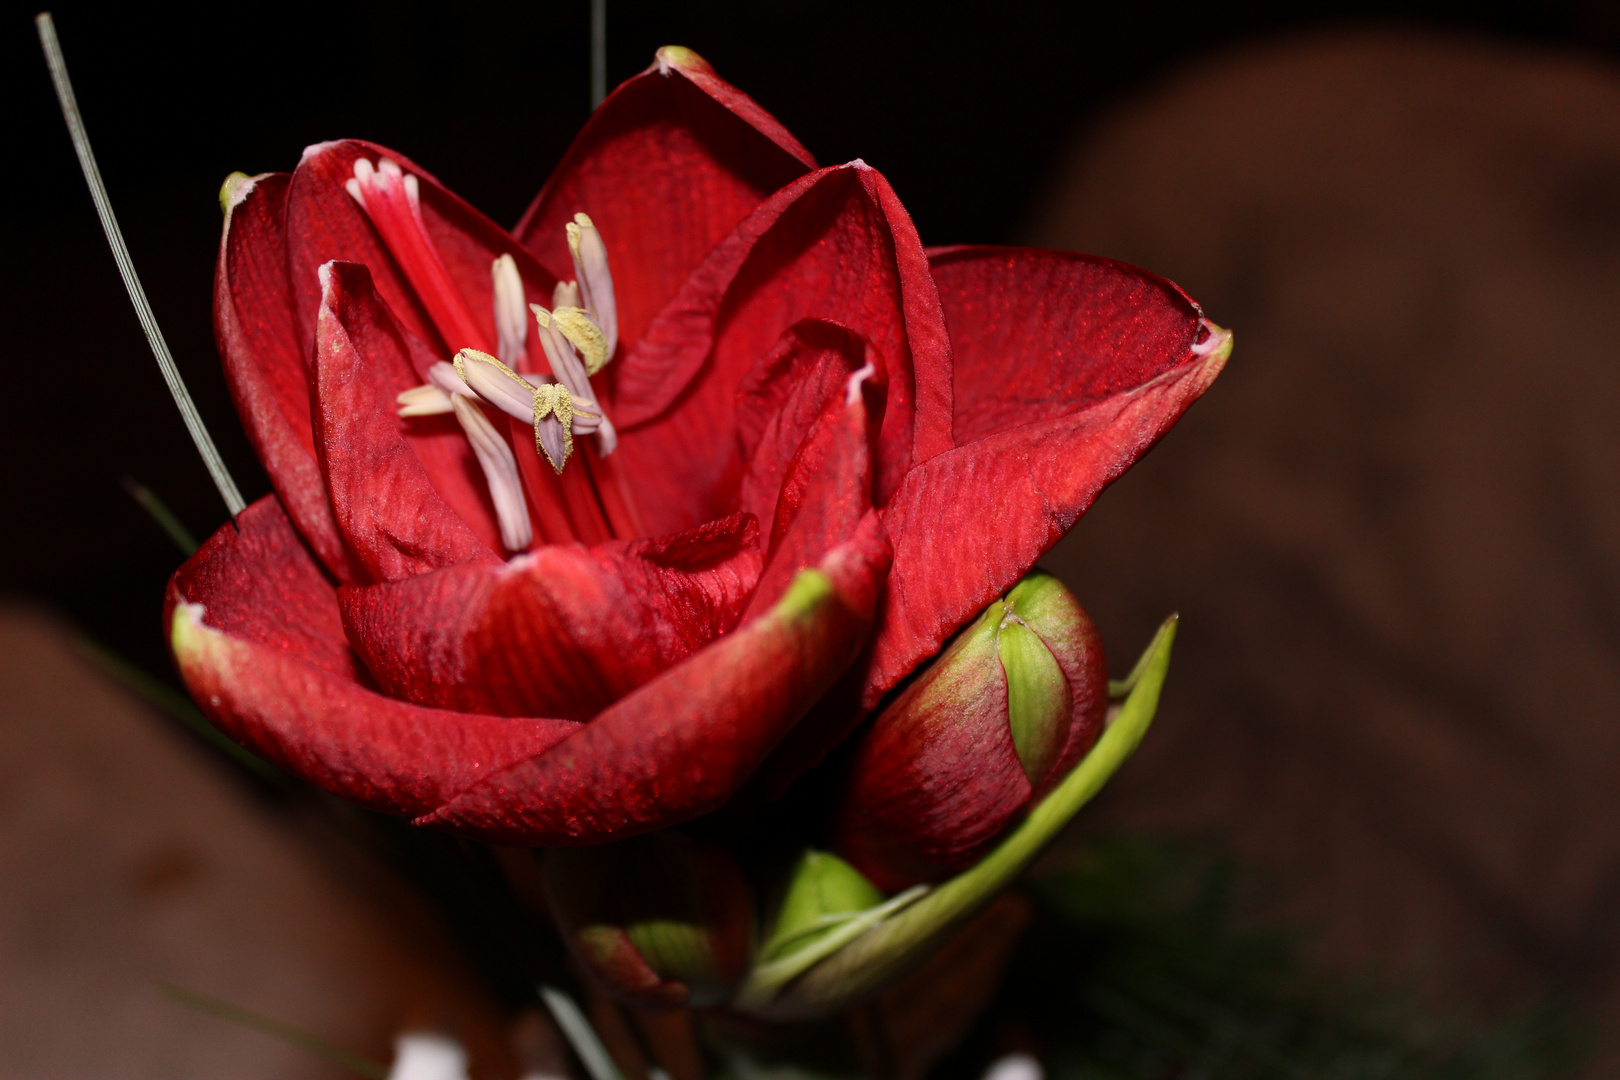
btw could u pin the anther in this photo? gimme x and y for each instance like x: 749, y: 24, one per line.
x: 496, y: 383
x: 554, y: 440
x: 571, y: 371
x: 556, y: 413
x: 511, y: 320
x: 582, y: 332
x: 595, y: 280
x: 433, y: 397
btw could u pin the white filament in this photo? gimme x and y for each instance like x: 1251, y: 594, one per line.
x: 500, y: 473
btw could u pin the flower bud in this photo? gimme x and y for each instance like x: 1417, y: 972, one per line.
x: 816, y: 965
x: 822, y: 888
x: 660, y: 921
x: 989, y: 726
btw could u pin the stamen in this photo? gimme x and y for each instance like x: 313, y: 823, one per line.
x: 595, y: 280
x: 433, y: 397
x: 591, y: 341
x: 555, y: 413
x: 555, y: 440
x: 500, y: 473
x: 496, y: 383
x: 565, y: 294
x: 511, y: 322
x: 568, y: 369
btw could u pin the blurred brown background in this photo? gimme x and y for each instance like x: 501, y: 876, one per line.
x: 1391, y: 527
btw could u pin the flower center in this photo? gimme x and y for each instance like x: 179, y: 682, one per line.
x: 578, y: 336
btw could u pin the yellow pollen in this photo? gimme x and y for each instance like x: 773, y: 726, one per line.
x: 584, y: 335
x: 553, y: 399
x: 461, y: 366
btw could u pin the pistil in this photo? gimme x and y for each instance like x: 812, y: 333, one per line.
x: 392, y: 200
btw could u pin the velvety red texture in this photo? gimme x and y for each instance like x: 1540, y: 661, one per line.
x: 680, y: 745
x: 410, y: 666
x: 666, y: 168
x: 256, y: 635
x: 830, y: 246
x: 265, y: 361
x: 565, y: 631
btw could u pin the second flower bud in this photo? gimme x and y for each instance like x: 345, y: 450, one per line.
x: 998, y: 718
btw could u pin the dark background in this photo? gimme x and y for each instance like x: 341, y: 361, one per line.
x: 967, y: 108
x: 1364, y: 203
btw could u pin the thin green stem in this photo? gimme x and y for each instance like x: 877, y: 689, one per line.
x: 166, y: 519
x: 126, y: 268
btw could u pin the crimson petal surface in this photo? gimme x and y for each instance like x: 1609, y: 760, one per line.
x: 256, y: 636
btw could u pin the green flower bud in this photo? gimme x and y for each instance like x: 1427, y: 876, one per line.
x: 817, y: 965
x: 660, y: 921
x: 822, y: 889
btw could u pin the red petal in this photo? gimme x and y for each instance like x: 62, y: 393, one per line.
x: 261, y: 648
x: 396, y: 521
x: 267, y: 362
x: 782, y: 398
x: 680, y: 745
x: 834, y: 245
x: 1038, y: 334
x: 325, y: 223
x: 826, y: 490
x: 564, y: 631
x: 669, y: 163
x: 970, y: 523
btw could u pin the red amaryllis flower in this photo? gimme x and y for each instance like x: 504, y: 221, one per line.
x: 572, y: 525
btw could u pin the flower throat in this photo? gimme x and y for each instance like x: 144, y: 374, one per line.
x: 580, y: 496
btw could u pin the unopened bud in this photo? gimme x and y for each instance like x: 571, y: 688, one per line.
x: 821, y: 890
x: 820, y: 961
x: 660, y: 921
x: 989, y: 726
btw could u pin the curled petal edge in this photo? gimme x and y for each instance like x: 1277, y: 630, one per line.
x: 634, y: 767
